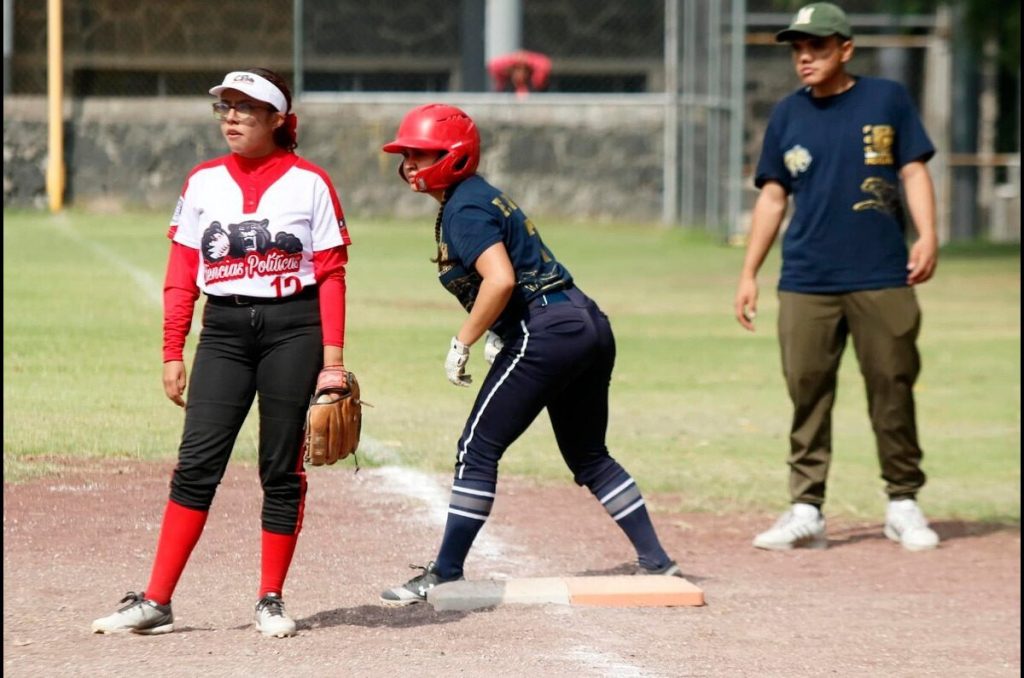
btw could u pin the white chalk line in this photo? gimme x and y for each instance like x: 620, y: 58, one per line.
x: 148, y: 285
x: 433, y: 495
x: 607, y: 663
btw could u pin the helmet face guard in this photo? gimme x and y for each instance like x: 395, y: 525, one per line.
x: 438, y: 127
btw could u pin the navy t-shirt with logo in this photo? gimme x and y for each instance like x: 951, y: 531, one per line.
x: 839, y: 157
x: 478, y: 215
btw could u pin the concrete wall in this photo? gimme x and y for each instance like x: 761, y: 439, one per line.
x: 572, y: 159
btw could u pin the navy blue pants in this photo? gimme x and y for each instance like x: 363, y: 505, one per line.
x: 275, y: 350
x: 562, y: 359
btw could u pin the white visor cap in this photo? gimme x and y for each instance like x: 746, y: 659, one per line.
x: 256, y: 86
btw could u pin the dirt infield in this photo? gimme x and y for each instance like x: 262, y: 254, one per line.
x: 75, y: 542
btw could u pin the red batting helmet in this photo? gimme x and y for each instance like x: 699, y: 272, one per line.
x: 439, y: 127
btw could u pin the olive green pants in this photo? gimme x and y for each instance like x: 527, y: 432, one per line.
x: 813, y: 329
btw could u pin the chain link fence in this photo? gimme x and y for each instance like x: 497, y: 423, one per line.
x: 117, y: 48
x: 629, y: 50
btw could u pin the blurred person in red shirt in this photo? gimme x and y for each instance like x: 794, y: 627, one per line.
x: 521, y: 72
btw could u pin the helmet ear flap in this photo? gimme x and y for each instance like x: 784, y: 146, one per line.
x: 443, y: 128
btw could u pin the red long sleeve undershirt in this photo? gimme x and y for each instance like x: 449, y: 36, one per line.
x: 329, y: 268
x: 181, y: 292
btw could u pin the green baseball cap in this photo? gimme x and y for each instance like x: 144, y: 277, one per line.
x: 819, y: 19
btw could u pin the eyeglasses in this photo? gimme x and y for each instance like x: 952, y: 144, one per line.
x: 245, y: 109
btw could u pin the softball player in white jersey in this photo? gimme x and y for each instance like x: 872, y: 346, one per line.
x: 261, y: 233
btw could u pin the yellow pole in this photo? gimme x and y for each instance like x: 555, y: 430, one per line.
x: 55, y: 99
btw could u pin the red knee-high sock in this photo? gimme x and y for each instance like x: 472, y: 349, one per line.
x: 278, y: 550
x: 179, y: 534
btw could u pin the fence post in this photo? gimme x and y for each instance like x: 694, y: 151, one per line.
x: 55, y: 100
x: 8, y: 43
x: 936, y: 113
x: 298, y: 24
x: 503, y: 27
x: 670, y: 158
x: 737, y: 83
x: 988, y: 118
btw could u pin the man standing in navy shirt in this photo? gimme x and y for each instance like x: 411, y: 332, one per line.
x: 841, y: 146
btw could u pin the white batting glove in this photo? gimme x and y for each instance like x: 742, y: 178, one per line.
x: 492, y: 347
x: 455, y: 363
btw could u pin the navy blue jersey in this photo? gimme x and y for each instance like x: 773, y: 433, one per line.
x: 840, y: 158
x: 476, y: 216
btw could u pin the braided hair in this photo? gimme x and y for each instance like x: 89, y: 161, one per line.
x: 441, y: 263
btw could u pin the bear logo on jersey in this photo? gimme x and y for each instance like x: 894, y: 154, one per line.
x: 243, y: 238
x: 246, y: 250
x: 249, y: 236
x: 797, y: 159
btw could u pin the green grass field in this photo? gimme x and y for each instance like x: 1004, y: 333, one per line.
x: 699, y: 409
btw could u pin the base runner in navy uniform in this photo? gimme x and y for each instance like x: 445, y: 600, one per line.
x: 550, y: 344
x: 261, y: 232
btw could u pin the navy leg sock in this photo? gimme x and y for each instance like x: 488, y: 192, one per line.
x: 468, y: 510
x: 620, y: 496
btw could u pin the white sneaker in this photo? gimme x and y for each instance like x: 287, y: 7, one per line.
x: 802, y: 526
x: 271, y: 619
x: 138, y: 615
x: 905, y: 523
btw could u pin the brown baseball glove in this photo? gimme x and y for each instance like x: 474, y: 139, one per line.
x: 334, y: 418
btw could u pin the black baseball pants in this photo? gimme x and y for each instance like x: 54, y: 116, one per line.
x: 271, y: 349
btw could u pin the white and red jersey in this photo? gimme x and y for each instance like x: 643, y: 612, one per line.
x: 256, y: 224
x: 267, y: 227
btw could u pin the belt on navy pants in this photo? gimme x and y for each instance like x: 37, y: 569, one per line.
x: 242, y: 300
x: 542, y: 300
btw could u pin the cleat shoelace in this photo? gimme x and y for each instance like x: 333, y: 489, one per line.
x: 272, y: 607
x: 424, y: 571
x: 131, y: 599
